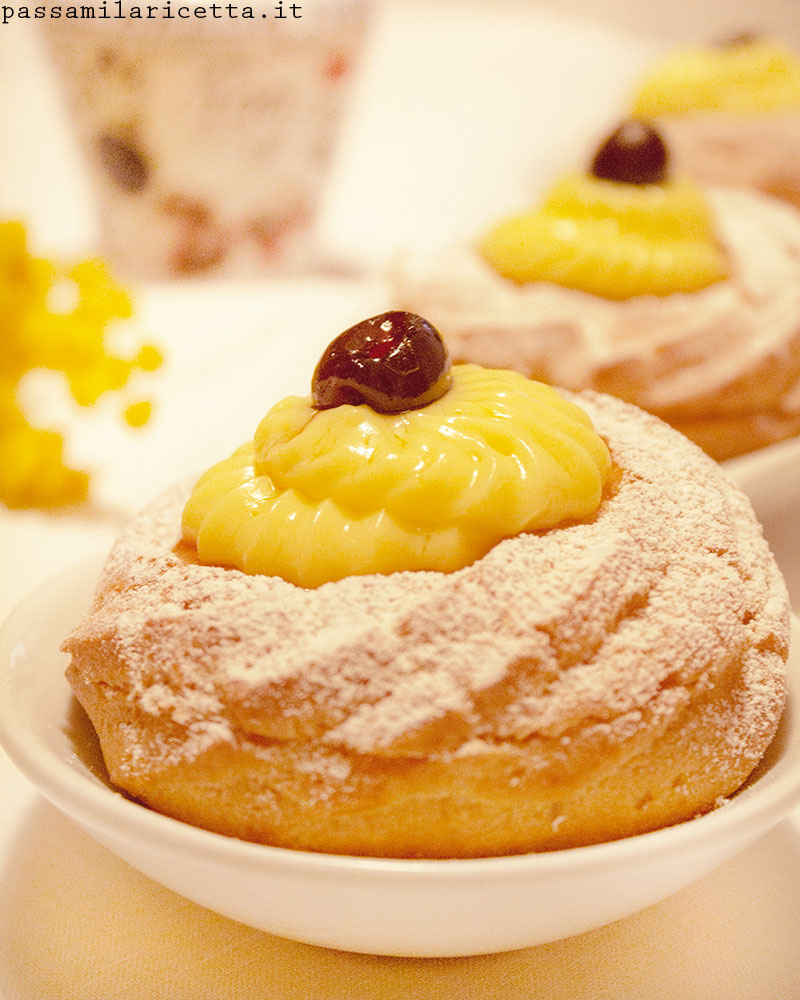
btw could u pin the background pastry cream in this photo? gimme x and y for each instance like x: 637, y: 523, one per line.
x: 722, y: 364
x: 612, y: 240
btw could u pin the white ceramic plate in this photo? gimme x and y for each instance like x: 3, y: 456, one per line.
x: 424, y: 908
x: 775, y: 469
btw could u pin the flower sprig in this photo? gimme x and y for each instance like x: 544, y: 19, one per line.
x: 56, y: 316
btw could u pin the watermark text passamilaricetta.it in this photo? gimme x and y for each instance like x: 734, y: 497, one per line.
x: 123, y: 11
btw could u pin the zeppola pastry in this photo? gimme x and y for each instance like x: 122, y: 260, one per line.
x: 638, y: 283
x: 438, y: 611
x: 730, y: 112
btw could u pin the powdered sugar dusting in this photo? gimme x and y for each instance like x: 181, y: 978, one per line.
x: 611, y: 626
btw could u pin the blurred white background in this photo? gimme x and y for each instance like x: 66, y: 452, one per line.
x: 464, y: 108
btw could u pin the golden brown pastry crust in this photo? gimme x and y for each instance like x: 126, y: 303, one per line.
x: 760, y: 151
x: 572, y: 686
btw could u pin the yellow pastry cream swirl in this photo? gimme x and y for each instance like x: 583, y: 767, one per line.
x: 612, y: 240
x: 321, y: 494
x: 752, y: 77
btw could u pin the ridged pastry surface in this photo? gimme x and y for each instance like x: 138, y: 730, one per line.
x: 721, y: 364
x: 573, y: 685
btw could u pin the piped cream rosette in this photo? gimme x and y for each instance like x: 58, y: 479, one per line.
x: 323, y: 494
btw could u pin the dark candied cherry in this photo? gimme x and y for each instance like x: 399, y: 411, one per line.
x: 392, y: 362
x: 634, y: 153
x: 123, y: 162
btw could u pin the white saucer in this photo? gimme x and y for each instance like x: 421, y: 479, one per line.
x: 422, y: 908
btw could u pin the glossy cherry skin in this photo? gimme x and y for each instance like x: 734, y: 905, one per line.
x: 392, y: 362
x: 634, y: 153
